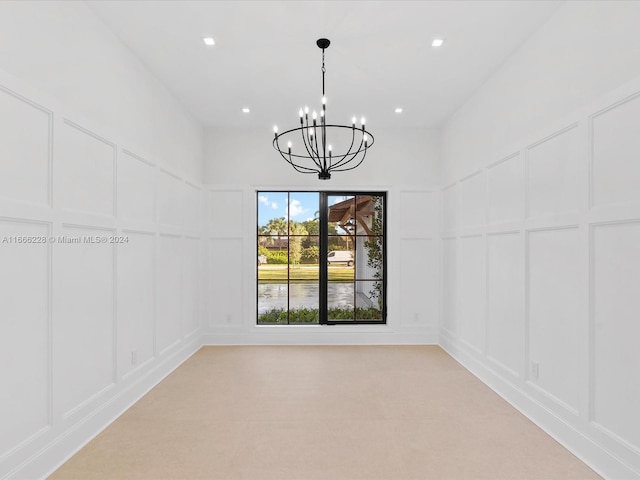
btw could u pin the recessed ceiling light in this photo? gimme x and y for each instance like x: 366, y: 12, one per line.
x: 245, y: 110
x: 209, y: 41
x: 398, y: 110
x: 437, y: 42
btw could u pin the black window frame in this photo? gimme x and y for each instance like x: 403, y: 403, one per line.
x: 323, y: 280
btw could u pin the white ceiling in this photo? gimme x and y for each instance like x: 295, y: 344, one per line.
x: 380, y: 56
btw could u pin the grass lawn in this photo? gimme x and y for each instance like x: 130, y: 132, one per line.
x: 302, y: 273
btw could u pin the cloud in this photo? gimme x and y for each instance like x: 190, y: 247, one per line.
x: 263, y: 199
x: 296, y: 208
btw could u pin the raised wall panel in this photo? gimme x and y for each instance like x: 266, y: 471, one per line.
x: 170, y: 200
x: 24, y: 150
x: 505, y: 192
x: 472, y: 201
x: 616, y: 330
x: 450, y: 208
x: 136, y: 295
x: 616, y: 148
x: 84, y: 167
x: 449, y: 284
x: 417, y: 213
x: 505, y: 296
x: 555, y: 285
x: 191, y: 285
x: 169, y: 291
x: 418, y: 283
x: 24, y: 332
x: 554, y: 174
x: 471, y: 291
x: 192, y: 216
x: 226, y: 282
x: 136, y: 189
x: 226, y: 213
x: 83, y: 317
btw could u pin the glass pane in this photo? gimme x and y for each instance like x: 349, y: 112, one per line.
x: 369, y: 300
x: 304, y: 303
x: 340, y: 215
x: 340, y: 301
x: 272, y: 303
x: 369, y: 258
x: 303, y: 252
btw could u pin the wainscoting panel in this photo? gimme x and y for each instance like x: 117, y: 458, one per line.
x: 83, y: 318
x: 418, y: 283
x: 136, y: 294
x: 449, y: 284
x: 472, y: 201
x: 170, y: 200
x: 616, y: 147
x: 136, y: 188
x: 554, y: 295
x: 505, y: 297
x: 24, y: 332
x: 226, y: 279
x: 192, y: 212
x: 84, y: 170
x: 471, y: 291
x: 505, y: 190
x: 450, y: 208
x: 191, y: 297
x: 25, y: 149
x: 616, y: 303
x: 168, y: 296
x: 554, y: 174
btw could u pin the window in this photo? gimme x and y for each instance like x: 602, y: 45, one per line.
x: 321, y: 258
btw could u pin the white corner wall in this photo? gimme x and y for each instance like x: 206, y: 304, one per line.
x: 87, y: 328
x: 541, y: 233
x: 239, y: 162
x: 63, y: 50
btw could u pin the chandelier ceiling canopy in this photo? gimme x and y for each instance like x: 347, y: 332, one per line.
x: 308, y: 149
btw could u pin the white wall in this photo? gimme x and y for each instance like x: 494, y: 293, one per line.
x: 541, y: 232
x: 240, y: 162
x: 62, y: 49
x: 86, y: 329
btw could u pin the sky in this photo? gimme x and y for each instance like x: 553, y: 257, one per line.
x: 300, y: 206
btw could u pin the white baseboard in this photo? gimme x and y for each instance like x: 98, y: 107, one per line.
x: 603, y: 462
x: 47, y: 459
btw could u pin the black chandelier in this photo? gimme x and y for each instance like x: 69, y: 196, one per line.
x: 320, y: 157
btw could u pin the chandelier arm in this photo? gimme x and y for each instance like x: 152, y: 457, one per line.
x: 276, y: 145
x: 342, y: 156
x: 309, y: 148
x: 349, y: 157
x: 364, y: 154
x: 296, y: 167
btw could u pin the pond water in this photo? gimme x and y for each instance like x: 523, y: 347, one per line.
x: 274, y: 295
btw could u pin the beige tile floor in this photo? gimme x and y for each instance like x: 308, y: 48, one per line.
x: 329, y: 413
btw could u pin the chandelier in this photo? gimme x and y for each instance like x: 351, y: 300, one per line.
x: 316, y: 154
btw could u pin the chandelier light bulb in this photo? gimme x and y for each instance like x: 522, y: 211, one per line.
x: 353, y: 121
x: 329, y: 148
x: 306, y: 110
x: 315, y: 115
x: 362, y: 121
x: 300, y: 113
x: 324, y: 100
x: 289, y: 145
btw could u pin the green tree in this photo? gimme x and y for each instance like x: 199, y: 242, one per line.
x: 295, y: 241
x: 374, y: 249
x: 277, y: 227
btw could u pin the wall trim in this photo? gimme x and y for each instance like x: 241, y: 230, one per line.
x: 603, y: 462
